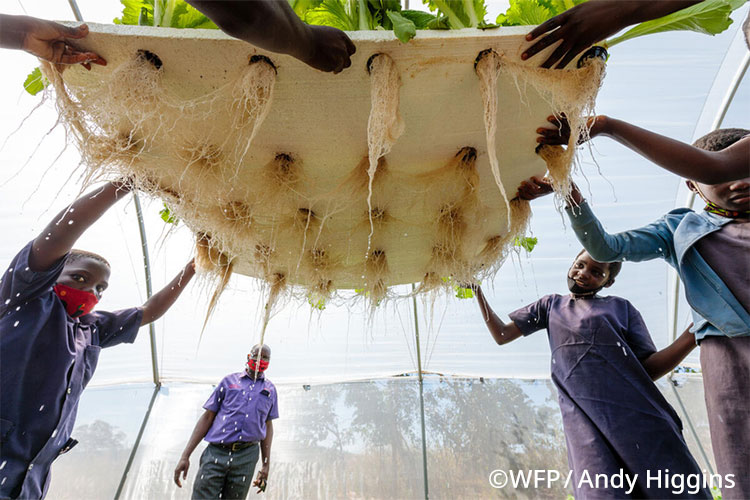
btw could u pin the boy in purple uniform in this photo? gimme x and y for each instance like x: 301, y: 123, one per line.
x: 50, y: 340
x: 239, y: 415
x: 603, y: 363
x: 709, y: 251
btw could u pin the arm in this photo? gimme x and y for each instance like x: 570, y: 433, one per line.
x: 199, y: 432
x: 645, y: 243
x: 159, y: 303
x: 61, y: 233
x: 501, y: 332
x: 273, y: 25
x: 593, y: 21
x: 708, y: 167
x: 265, y: 455
x: 46, y: 39
x: 662, y: 362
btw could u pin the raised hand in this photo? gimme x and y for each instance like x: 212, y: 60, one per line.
x: 330, y: 50
x: 533, y: 188
x: 50, y: 41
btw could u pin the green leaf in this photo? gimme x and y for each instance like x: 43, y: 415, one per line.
x: 524, y: 13
x: 35, y: 82
x: 527, y: 244
x: 300, y: 7
x: 193, y: 18
x: 487, y: 26
x: 331, y: 13
x: 167, y: 215
x: 463, y: 293
x: 403, y: 28
x: 131, y: 11
x: 709, y: 17
x: 319, y: 304
x: 420, y: 18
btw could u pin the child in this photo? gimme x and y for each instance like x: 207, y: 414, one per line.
x: 709, y: 250
x: 603, y: 362
x: 50, y: 340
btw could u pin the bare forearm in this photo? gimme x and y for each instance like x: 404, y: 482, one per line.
x: 199, y: 432
x: 268, y: 24
x: 500, y: 331
x: 680, y: 158
x: 662, y: 362
x: 63, y: 231
x: 12, y: 31
x: 265, y: 445
x: 159, y: 303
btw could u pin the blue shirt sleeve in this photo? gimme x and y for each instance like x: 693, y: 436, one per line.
x: 532, y: 317
x: 117, y: 327
x: 213, y: 403
x: 19, y: 284
x: 637, y: 335
x: 653, y: 241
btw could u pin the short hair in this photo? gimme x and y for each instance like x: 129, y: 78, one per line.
x: 261, y: 347
x: 76, y: 254
x: 614, y: 267
x: 721, y: 138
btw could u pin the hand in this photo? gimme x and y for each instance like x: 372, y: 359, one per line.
x: 579, y: 28
x: 560, y: 135
x: 330, y: 49
x: 534, y: 188
x: 261, y: 479
x: 50, y: 41
x: 182, y: 467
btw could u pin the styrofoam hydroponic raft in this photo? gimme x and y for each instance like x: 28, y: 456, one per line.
x: 267, y: 159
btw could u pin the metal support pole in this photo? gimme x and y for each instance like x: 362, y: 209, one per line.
x: 421, y: 395
x: 76, y: 10
x: 137, y: 443
x: 147, y: 270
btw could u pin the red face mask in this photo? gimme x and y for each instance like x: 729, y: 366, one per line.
x: 252, y: 364
x: 77, y: 302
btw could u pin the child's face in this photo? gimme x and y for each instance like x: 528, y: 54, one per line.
x: 587, y: 275
x: 734, y: 196
x: 86, y: 274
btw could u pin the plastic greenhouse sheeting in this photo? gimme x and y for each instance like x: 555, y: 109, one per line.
x: 659, y: 82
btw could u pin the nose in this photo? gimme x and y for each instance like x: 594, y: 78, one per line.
x: 740, y: 184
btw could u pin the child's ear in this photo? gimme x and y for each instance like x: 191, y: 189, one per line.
x: 691, y: 186
x: 609, y: 283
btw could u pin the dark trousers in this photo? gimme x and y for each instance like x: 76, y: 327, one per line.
x: 224, y: 473
x: 725, y: 362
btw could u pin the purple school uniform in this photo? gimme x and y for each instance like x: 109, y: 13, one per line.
x: 242, y: 406
x: 614, y: 416
x: 46, y: 360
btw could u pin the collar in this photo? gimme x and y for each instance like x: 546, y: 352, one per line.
x: 713, y: 208
x: 260, y: 377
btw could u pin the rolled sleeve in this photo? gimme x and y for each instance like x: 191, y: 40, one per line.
x: 19, y: 284
x: 532, y: 317
x: 213, y: 403
x: 118, y: 327
x: 273, y: 413
x: 646, y: 243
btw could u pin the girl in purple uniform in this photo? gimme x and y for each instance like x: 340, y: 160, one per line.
x: 603, y: 363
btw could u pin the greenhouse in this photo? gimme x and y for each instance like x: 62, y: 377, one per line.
x: 340, y: 219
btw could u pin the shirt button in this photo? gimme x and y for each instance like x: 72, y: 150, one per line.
x: 69, y: 390
x: 31, y: 466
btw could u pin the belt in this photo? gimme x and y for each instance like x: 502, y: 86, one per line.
x: 237, y: 445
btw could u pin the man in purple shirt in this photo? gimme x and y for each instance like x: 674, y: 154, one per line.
x: 238, y: 417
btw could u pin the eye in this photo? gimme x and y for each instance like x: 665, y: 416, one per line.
x: 78, y: 278
x: 101, y: 288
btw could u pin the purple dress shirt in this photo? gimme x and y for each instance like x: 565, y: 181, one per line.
x: 46, y: 360
x: 242, y: 406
